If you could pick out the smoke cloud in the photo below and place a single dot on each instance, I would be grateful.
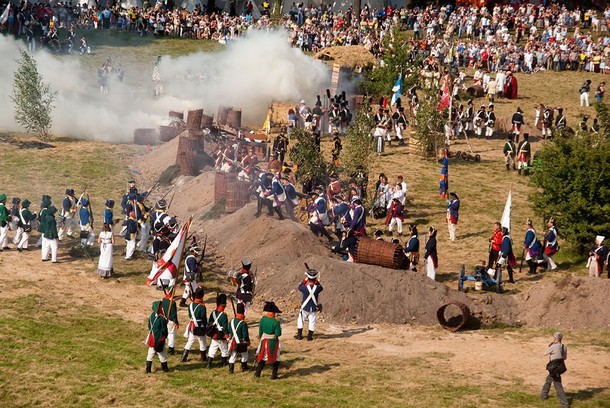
(248, 74)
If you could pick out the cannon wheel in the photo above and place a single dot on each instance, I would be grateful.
(461, 279)
(499, 281)
(477, 158)
(458, 154)
(464, 156)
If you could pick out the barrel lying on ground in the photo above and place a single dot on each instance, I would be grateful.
(453, 315)
(377, 252)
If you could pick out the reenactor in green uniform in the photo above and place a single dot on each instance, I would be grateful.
(42, 214)
(24, 226)
(510, 151)
(3, 223)
(49, 237)
(269, 332)
(171, 311)
(239, 340)
(196, 327)
(157, 333)
(218, 330)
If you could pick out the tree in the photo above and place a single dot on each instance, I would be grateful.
(603, 116)
(358, 154)
(306, 154)
(429, 125)
(33, 99)
(574, 181)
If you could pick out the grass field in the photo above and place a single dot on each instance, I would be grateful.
(72, 341)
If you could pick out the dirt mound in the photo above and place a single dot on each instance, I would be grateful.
(574, 303)
(347, 57)
(352, 292)
(151, 165)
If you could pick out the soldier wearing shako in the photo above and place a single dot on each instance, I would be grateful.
(524, 153)
(269, 332)
(157, 333)
(490, 121)
(510, 151)
(49, 238)
(311, 289)
(4, 220)
(42, 214)
(24, 226)
(196, 327)
(171, 311)
(245, 285)
(218, 330)
(68, 213)
(191, 270)
(560, 121)
(239, 339)
(517, 121)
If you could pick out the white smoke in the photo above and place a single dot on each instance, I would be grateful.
(248, 74)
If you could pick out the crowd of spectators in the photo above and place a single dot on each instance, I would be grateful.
(525, 38)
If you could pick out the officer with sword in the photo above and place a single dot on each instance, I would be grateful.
(311, 289)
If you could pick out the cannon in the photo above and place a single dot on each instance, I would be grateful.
(481, 274)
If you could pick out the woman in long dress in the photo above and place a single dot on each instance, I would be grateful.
(431, 257)
(106, 241)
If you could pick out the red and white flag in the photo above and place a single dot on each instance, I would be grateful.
(445, 101)
(171, 260)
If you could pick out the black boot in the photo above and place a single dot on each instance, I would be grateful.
(244, 367)
(276, 366)
(231, 368)
(526, 172)
(223, 361)
(182, 302)
(171, 351)
(299, 335)
(210, 362)
(519, 172)
(310, 335)
(148, 367)
(185, 355)
(507, 167)
(204, 356)
(278, 210)
(164, 367)
(510, 274)
(259, 369)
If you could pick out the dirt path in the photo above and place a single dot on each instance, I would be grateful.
(484, 356)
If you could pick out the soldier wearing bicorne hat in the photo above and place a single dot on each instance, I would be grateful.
(269, 332)
(310, 305)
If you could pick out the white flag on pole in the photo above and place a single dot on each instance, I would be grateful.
(507, 211)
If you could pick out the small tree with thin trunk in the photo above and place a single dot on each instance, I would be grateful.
(33, 99)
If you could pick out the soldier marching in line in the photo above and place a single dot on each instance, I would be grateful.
(155, 340)
(191, 270)
(85, 222)
(218, 323)
(239, 340)
(310, 305)
(49, 235)
(42, 214)
(510, 152)
(24, 226)
(68, 214)
(269, 332)
(4, 220)
(195, 330)
(490, 122)
(171, 312)
(479, 119)
(524, 153)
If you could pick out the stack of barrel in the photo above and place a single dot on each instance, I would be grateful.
(377, 252)
(145, 136)
(189, 147)
(236, 193)
(228, 116)
(167, 133)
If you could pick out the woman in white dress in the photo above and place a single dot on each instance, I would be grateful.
(106, 241)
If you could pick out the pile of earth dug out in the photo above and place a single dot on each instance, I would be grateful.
(364, 293)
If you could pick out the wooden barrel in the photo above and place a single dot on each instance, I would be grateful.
(223, 112)
(377, 252)
(176, 115)
(167, 133)
(220, 185)
(188, 163)
(193, 119)
(234, 118)
(145, 136)
(207, 121)
(237, 196)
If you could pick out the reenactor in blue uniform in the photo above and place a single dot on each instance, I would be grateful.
(551, 246)
(412, 250)
(68, 214)
(453, 208)
(358, 216)
(108, 215)
(517, 121)
(87, 236)
(507, 257)
(245, 284)
(310, 304)
(532, 248)
(131, 232)
(191, 270)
